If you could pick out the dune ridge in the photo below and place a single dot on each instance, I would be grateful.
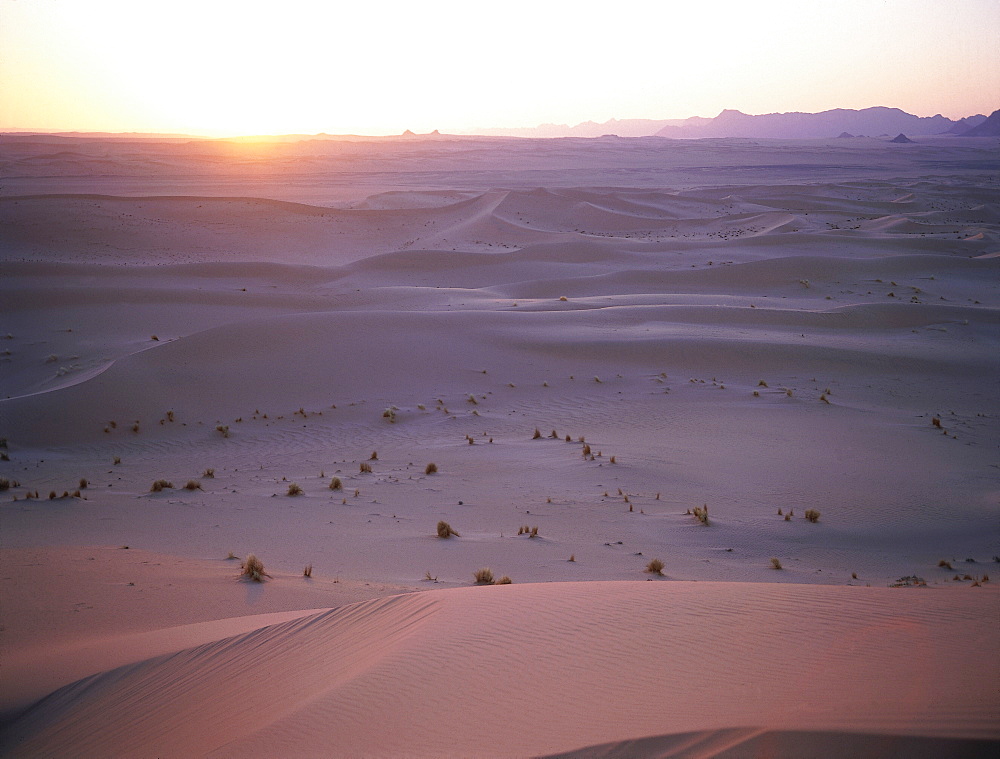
(417, 659)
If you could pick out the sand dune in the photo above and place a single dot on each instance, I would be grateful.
(505, 656)
(757, 328)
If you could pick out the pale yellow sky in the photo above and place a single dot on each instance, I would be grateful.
(297, 66)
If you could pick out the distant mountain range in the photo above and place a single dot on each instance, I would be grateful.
(870, 122)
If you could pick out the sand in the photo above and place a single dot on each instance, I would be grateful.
(744, 325)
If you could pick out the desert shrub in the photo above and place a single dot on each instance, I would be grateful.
(231, 555)
(701, 513)
(365, 467)
(223, 428)
(374, 456)
(944, 564)
(52, 495)
(208, 473)
(160, 485)
(192, 485)
(655, 567)
(336, 484)
(484, 576)
(534, 532)
(431, 468)
(775, 563)
(83, 483)
(612, 460)
(538, 434)
(572, 557)
(762, 384)
(294, 489)
(554, 435)
(253, 569)
(586, 450)
(4, 483)
(389, 414)
(117, 460)
(308, 571)
(505, 580)
(812, 515)
(444, 530)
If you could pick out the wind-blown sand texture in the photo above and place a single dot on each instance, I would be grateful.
(744, 325)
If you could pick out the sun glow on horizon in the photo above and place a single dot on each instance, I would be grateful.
(222, 68)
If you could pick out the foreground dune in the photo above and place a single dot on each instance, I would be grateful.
(545, 668)
(588, 339)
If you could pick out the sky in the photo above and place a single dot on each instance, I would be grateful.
(380, 67)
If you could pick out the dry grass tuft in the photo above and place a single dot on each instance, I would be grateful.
(208, 474)
(484, 576)
(83, 483)
(365, 467)
(701, 513)
(117, 460)
(336, 484)
(505, 580)
(253, 569)
(944, 564)
(612, 460)
(192, 485)
(231, 555)
(534, 532)
(586, 450)
(655, 567)
(538, 434)
(936, 422)
(160, 485)
(444, 530)
(812, 515)
(572, 557)
(374, 456)
(776, 563)
(294, 489)
(223, 428)
(762, 384)
(308, 571)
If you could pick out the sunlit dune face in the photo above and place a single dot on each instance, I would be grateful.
(304, 67)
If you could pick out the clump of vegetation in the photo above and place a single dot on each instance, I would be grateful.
(572, 557)
(655, 567)
(253, 569)
(444, 530)
(812, 515)
(505, 580)
(160, 485)
(365, 467)
(389, 414)
(5, 484)
(193, 485)
(701, 513)
(208, 474)
(308, 571)
(431, 468)
(336, 484)
(944, 564)
(117, 460)
(538, 434)
(909, 581)
(374, 456)
(294, 489)
(484, 576)
(223, 428)
(231, 556)
(83, 483)
(776, 563)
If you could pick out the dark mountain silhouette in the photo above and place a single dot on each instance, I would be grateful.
(901, 139)
(989, 128)
(878, 120)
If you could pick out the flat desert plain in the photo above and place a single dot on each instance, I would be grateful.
(618, 354)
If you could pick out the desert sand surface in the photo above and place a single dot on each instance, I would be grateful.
(589, 339)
